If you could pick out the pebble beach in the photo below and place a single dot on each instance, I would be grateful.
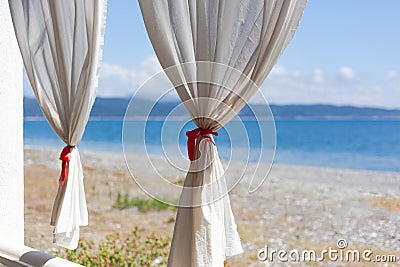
(297, 207)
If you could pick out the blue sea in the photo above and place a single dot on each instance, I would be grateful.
(350, 144)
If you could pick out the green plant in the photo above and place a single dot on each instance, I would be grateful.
(180, 181)
(143, 204)
(119, 251)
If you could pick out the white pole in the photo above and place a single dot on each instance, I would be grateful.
(11, 138)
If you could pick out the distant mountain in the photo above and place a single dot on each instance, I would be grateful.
(31, 108)
(116, 107)
(103, 107)
(333, 112)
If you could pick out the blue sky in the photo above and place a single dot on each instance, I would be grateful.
(344, 52)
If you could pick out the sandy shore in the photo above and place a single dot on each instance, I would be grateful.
(296, 208)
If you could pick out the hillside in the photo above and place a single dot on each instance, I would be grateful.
(116, 107)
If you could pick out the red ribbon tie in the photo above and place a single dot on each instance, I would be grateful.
(65, 157)
(192, 137)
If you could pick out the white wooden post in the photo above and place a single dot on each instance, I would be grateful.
(11, 134)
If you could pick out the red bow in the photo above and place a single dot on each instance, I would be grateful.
(192, 137)
(65, 156)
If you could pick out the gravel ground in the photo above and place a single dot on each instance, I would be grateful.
(296, 208)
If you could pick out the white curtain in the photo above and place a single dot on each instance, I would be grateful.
(228, 47)
(61, 43)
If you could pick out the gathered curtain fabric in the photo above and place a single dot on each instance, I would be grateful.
(61, 43)
(216, 54)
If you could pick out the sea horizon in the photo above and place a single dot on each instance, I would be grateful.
(348, 144)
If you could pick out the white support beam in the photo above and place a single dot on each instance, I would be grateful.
(14, 255)
(11, 134)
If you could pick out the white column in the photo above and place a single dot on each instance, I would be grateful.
(11, 138)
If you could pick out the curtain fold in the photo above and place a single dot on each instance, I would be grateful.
(216, 54)
(61, 43)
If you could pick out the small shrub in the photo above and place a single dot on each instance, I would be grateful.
(143, 204)
(119, 251)
(180, 181)
(171, 220)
